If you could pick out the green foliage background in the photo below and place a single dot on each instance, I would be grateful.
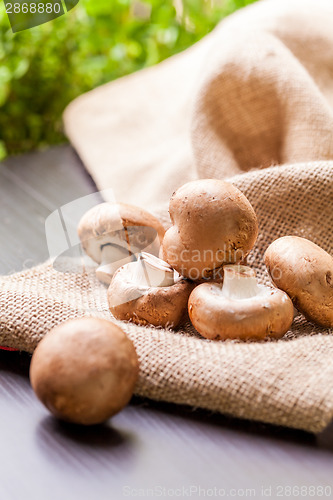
(44, 68)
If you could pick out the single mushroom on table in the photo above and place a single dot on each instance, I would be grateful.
(113, 234)
(213, 224)
(305, 272)
(149, 291)
(240, 308)
(84, 370)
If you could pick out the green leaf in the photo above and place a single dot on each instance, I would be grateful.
(42, 69)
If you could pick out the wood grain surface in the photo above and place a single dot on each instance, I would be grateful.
(149, 450)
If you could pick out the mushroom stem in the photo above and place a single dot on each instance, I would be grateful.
(150, 271)
(239, 282)
(113, 257)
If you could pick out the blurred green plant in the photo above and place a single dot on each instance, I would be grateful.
(44, 68)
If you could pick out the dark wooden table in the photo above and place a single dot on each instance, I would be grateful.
(149, 450)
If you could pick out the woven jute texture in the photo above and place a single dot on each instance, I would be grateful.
(287, 382)
(256, 92)
(251, 102)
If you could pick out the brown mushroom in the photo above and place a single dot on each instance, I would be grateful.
(84, 370)
(239, 308)
(213, 224)
(305, 272)
(149, 291)
(112, 235)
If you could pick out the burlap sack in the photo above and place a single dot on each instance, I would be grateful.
(255, 93)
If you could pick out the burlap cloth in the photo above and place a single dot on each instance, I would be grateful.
(254, 94)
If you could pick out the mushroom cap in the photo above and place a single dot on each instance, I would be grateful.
(84, 370)
(215, 317)
(213, 223)
(305, 272)
(119, 224)
(158, 306)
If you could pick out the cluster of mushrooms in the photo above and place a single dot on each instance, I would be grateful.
(198, 265)
(85, 370)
